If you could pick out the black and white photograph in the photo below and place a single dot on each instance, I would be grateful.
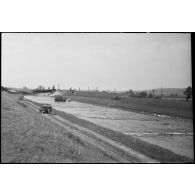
(96, 98)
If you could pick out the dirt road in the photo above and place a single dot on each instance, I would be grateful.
(174, 134)
(29, 136)
(112, 148)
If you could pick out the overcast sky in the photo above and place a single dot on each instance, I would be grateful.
(107, 61)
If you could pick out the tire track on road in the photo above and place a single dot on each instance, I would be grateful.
(112, 148)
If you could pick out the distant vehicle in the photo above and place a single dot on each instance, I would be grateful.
(116, 98)
(45, 108)
(20, 97)
(60, 99)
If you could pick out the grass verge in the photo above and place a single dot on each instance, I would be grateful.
(28, 137)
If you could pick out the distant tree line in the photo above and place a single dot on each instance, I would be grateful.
(143, 94)
(42, 89)
(188, 93)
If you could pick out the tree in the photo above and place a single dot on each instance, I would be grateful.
(142, 94)
(150, 95)
(188, 93)
(40, 87)
(153, 90)
(53, 88)
(131, 93)
(25, 88)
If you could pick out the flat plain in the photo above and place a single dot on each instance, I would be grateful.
(29, 137)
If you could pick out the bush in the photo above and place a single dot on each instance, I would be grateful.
(173, 95)
(142, 94)
(188, 93)
(131, 93)
(150, 95)
(158, 97)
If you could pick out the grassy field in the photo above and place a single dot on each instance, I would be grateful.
(28, 137)
(168, 107)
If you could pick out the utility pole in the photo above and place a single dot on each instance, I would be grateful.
(161, 92)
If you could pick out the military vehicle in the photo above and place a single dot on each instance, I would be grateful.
(116, 98)
(45, 108)
(60, 99)
(20, 97)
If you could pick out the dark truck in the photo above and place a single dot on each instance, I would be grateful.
(116, 98)
(60, 99)
(21, 97)
(45, 108)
